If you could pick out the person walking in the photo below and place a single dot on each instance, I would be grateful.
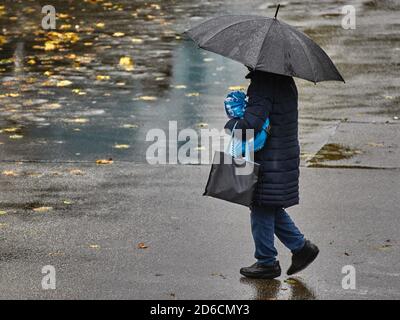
(275, 97)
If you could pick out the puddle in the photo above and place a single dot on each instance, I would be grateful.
(112, 71)
(290, 289)
(333, 152)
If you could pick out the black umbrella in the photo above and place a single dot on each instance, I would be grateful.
(265, 44)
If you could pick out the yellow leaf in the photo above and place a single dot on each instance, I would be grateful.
(129, 126)
(137, 40)
(126, 63)
(180, 86)
(16, 136)
(94, 246)
(14, 129)
(10, 173)
(67, 202)
(65, 27)
(32, 62)
(104, 161)
(2, 40)
(122, 146)
(118, 34)
(193, 94)
(77, 120)
(101, 77)
(42, 209)
(64, 83)
(147, 98)
(2, 213)
(100, 25)
(78, 92)
(50, 45)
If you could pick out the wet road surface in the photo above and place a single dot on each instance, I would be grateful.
(67, 99)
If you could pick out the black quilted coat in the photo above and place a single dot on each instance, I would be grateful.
(274, 96)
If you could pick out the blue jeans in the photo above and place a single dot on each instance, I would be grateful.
(267, 221)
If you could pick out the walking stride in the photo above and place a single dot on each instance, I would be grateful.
(274, 52)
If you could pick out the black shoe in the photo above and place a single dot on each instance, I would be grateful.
(303, 258)
(260, 271)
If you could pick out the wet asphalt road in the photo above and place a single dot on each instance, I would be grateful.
(195, 245)
(59, 208)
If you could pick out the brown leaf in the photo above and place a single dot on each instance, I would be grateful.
(141, 245)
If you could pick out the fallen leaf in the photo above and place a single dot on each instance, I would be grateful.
(122, 146)
(104, 161)
(76, 172)
(94, 246)
(9, 130)
(10, 173)
(16, 136)
(129, 126)
(100, 25)
(56, 253)
(376, 145)
(77, 120)
(3, 225)
(2, 213)
(147, 98)
(63, 83)
(78, 92)
(3, 40)
(118, 34)
(42, 209)
(193, 94)
(180, 86)
(101, 77)
(126, 63)
(137, 40)
(68, 202)
(141, 245)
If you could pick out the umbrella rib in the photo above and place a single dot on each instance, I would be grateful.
(227, 27)
(308, 59)
(262, 45)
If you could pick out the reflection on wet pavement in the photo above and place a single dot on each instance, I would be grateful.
(112, 70)
(290, 289)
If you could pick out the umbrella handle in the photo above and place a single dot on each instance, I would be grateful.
(276, 12)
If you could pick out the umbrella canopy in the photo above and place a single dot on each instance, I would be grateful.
(265, 44)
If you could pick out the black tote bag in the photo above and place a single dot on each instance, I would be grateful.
(232, 179)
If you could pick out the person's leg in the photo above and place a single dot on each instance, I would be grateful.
(262, 228)
(287, 232)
